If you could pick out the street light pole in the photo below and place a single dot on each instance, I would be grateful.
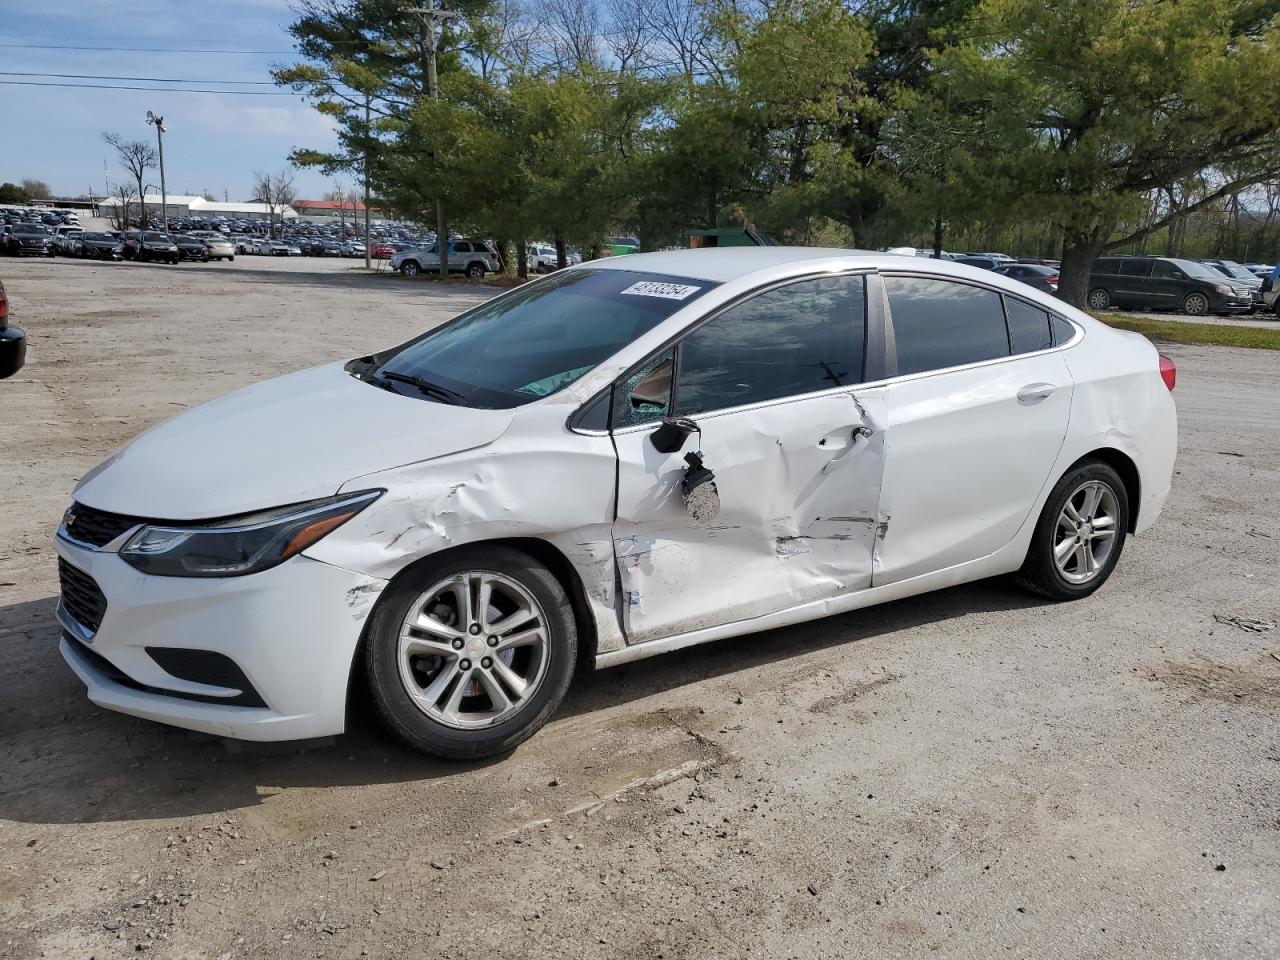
(158, 123)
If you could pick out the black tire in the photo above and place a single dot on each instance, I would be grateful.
(397, 710)
(475, 270)
(1195, 304)
(410, 268)
(1040, 573)
(231, 259)
(1098, 299)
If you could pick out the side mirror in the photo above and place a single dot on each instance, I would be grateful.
(671, 434)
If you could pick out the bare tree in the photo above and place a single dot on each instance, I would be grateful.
(36, 189)
(629, 36)
(124, 195)
(137, 157)
(502, 38)
(276, 191)
(683, 35)
(573, 28)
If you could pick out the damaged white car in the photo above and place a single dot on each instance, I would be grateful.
(624, 458)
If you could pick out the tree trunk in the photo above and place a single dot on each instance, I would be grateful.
(937, 238)
(522, 259)
(562, 259)
(1078, 256)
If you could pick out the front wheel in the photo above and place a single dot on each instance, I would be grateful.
(1099, 299)
(1195, 304)
(1080, 533)
(469, 657)
(410, 268)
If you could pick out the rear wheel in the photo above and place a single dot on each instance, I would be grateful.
(1195, 304)
(1080, 533)
(1099, 299)
(475, 270)
(470, 657)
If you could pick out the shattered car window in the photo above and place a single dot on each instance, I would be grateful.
(630, 409)
(543, 336)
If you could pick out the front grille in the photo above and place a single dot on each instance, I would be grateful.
(81, 597)
(96, 527)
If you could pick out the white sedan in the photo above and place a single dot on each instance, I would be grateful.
(622, 459)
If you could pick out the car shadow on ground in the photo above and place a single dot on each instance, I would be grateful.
(68, 761)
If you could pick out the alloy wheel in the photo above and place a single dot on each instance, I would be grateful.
(1099, 300)
(1086, 532)
(1195, 304)
(473, 649)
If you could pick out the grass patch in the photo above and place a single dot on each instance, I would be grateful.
(1204, 334)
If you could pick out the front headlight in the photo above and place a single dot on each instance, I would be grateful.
(240, 545)
(1223, 288)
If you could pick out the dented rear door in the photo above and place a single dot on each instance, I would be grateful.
(797, 467)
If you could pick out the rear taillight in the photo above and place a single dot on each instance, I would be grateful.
(1168, 372)
(1053, 279)
(4, 308)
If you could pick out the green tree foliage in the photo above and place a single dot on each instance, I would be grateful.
(1077, 112)
(12, 193)
(1028, 125)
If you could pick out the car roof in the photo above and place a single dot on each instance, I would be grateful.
(722, 264)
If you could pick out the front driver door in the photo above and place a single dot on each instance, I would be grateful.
(772, 385)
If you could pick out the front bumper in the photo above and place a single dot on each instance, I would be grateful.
(291, 630)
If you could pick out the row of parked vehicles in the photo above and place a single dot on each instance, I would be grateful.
(1193, 287)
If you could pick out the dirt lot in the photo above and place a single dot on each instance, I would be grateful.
(970, 774)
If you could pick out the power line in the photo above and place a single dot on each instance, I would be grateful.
(46, 46)
(94, 76)
(107, 86)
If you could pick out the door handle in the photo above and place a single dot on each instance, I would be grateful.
(859, 432)
(1035, 392)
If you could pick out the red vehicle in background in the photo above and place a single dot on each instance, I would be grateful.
(380, 250)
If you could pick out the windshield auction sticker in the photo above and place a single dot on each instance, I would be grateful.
(668, 291)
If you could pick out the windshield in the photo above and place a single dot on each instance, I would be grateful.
(1239, 272)
(1193, 269)
(96, 236)
(543, 336)
(154, 238)
(30, 228)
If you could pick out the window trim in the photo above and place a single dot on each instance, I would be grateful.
(895, 377)
(874, 319)
(880, 356)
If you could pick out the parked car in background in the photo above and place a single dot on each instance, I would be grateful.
(1240, 275)
(542, 258)
(28, 239)
(100, 246)
(13, 340)
(191, 248)
(475, 258)
(1164, 283)
(220, 248)
(278, 248)
(981, 261)
(965, 426)
(381, 250)
(352, 248)
(1032, 274)
(64, 240)
(1270, 290)
(150, 245)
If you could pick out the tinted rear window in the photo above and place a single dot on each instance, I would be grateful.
(1135, 268)
(940, 323)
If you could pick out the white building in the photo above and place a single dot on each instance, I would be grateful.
(178, 205)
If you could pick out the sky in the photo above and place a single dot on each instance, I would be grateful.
(212, 142)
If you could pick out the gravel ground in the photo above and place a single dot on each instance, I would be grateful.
(972, 773)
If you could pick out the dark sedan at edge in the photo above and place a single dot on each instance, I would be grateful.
(13, 342)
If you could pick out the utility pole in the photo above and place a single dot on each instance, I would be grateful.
(428, 16)
(158, 123)
(368, 240)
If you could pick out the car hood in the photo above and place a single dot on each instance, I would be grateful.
(286, 440)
